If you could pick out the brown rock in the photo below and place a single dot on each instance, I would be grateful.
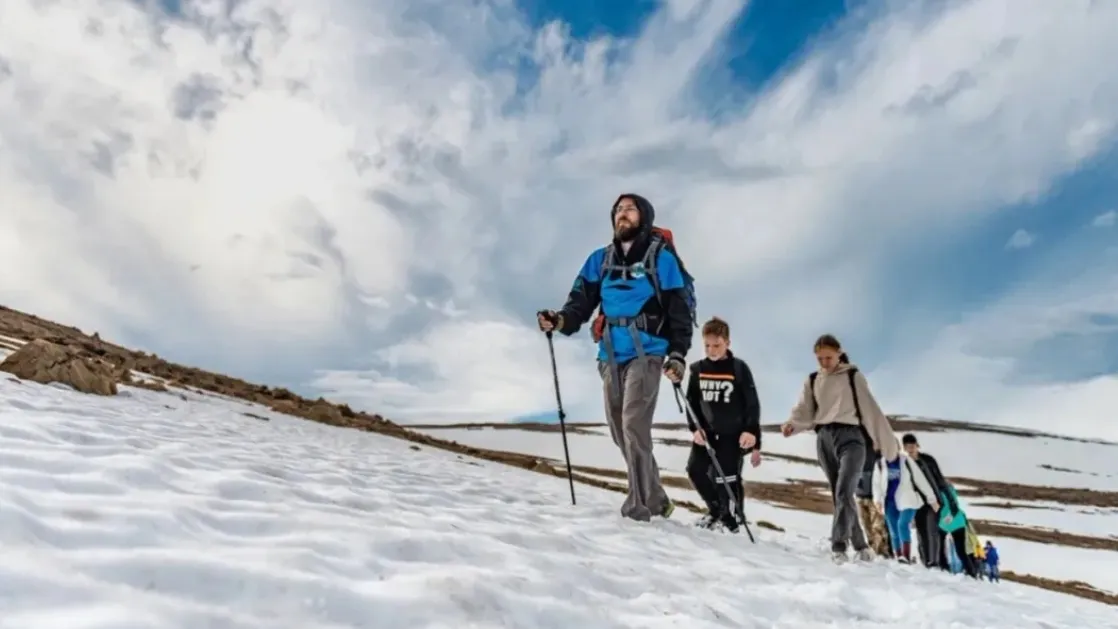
(45, 362)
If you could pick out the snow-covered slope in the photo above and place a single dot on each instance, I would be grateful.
(179, 510)
(1049, 503)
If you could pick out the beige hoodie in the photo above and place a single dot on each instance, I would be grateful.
(836, 406)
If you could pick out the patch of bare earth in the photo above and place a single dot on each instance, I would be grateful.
(91, 349)
(579, 428)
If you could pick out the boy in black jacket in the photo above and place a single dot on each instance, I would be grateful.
(722, 392)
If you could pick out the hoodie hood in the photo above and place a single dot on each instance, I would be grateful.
(842, 368)
(644, 206)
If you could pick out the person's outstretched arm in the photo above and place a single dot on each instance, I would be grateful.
(584, 297)
(803, 413)
(873, 418)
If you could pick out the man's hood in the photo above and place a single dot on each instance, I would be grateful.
(644, 206)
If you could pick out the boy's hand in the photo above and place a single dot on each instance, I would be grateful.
(787, 429)
(747, 440)
(755, 458)
(699, 438)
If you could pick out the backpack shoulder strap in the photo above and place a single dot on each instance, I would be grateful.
(811, 387)
(739, 379)
(739, 370)
(650, 259)
(854, 392)
(607, 261)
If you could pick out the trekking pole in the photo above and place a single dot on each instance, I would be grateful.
(735, 508)
(562, 415)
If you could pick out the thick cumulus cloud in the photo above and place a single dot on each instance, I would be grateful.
(372, 198)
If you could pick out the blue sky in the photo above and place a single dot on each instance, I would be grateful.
(370, 199)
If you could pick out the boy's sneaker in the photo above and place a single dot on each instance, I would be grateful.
(669, 509)
(865, 555)
(730, 523)
(839, 557)
(708, 521)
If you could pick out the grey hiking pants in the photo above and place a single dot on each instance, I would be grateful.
(630, 424)
(842, 451)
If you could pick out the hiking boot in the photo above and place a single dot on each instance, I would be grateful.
(708, 521)
(864, 555)
(730, 523)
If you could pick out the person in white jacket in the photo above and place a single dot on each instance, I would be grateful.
(899, 489)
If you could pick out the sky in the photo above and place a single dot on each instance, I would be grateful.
(370, 199)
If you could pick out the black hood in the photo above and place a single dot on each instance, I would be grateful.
(644, 206)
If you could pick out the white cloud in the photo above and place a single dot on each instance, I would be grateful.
(1106, 219)
(995, 364)
(471, 371)
(1021, 239)
(366, 188)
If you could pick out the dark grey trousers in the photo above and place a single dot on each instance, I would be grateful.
(630, 424)
(929, 537)
(842, 451)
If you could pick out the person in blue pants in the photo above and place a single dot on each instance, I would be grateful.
(992, 562)
(900, 487)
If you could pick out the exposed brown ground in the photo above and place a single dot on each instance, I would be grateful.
(968, 487)
(901, 424)
(803, 495)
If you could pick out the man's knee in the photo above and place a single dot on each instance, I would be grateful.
(844, 494)
(636, 425)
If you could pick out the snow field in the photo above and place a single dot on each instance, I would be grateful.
(146, 511)
(959, 453)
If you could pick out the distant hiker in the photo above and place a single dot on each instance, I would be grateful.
(873, 521)
(928, 535)
(977, 551)
(721, 389)
(899, 489)
(953, 522)
(644, 329)
(836, 402)
(992, 570)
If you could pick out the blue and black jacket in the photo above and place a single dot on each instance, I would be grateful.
(668, 327)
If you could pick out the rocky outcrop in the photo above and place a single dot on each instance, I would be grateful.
(45, 362)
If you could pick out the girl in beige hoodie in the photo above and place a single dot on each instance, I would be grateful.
(836, 402)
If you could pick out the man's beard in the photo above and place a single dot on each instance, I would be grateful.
(626, 232)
